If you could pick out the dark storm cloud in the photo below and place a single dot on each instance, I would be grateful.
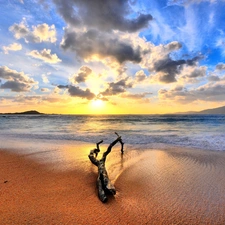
(168, 69)
(15, 81)
(94, 42)
(8, 74)
(105, 15)
(15, 86)
(78, 92)
(82, 74)
(100, 20)
(119, 87)
(63, 86)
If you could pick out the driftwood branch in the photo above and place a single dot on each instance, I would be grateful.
(121, 142)
(104, 185)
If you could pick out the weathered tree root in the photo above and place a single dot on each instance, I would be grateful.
(104, 185)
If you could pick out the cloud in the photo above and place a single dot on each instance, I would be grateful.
(213, 78)
(40, 33)
(168, 69)
(188, 2)
(161, 27)
(78, 92)
(173, 46)
(163, 66)
(190, 30)
(45, 79)
(139, 96)
(179, 95)
(100, 96)
(95, 43)
(12, 47)
(45, 90)
(15, 86)
(220, 67)
(82, 75)
(156, 55)
(192, 74)
(45, 55)
(208, 92)
(39, 99)
(118, 87)
(211, 91)
(95, 29)
(62, 86)
(140, 76)
(15, 81)
(45, 33)
(104, 15)
(220, 43)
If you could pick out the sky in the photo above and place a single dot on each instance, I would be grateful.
(112, 57)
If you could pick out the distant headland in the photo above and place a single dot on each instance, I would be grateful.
(219, 110)
(30, 112)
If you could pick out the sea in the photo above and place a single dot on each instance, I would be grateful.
(205, 132)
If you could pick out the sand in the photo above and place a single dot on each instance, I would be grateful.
(173, 186)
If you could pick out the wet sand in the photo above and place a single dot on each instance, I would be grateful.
(173, 186)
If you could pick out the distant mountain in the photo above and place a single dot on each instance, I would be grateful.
(31, 112)
(219, 110)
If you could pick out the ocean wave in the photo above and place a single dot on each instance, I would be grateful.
(209, 142)
(196, 131)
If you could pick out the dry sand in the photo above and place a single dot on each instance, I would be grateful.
(173, 186)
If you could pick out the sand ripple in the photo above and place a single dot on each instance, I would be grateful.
(175, 186)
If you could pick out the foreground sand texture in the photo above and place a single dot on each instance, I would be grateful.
(157, 187)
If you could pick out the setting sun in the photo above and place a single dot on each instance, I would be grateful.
(97, 103)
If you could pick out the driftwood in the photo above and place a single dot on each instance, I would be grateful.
(104, 185)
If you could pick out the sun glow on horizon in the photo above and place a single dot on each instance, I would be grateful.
(97, 103)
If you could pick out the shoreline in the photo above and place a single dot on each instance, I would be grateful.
(177, 186)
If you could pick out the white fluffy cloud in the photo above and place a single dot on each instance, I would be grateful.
(209, 92)
(45, 90)
(45, 79)
(12, 47)
(140, 76)
(40, 33)
(45, 55)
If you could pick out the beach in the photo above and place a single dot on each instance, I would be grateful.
(154, 186)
